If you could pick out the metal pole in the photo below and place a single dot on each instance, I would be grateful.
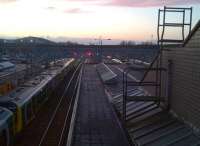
(161, 49)
(190, 20)
(158, 28)
(183, 28)
(169, 87)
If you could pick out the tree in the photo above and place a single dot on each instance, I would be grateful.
(127, 43)
(123, 43)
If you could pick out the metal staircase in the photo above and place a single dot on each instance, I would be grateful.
(160, 81)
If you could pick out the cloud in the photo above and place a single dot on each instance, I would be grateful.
(7, 1)
(82, 0)
(50, 8)
(139, 3)
(149, 3)
(76, 11)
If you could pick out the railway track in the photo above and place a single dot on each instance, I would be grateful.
(45, 129)
(56, 131)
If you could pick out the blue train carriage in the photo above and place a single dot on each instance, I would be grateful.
(54, 73)
(60, 70)
(57, 73)
(6, 102)
(29, 98)
(26, 100)
(19, 106)
(65, 67)
(6, 124)
(42, 90)
(49, 84)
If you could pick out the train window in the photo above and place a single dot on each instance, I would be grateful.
(3, 139)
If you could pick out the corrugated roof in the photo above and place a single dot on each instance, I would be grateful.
(6, 65)
(149, 125)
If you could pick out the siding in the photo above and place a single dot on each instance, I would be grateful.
(193, 41)
(185, 93)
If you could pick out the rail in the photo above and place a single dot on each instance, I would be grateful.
(157, 97)
(64, 134)
(72, 123)
(63, 110)
(157, 63)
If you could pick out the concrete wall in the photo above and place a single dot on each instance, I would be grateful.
(185, 89)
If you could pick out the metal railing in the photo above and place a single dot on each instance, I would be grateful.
(158, 96)
(163, 23)
(157, 64)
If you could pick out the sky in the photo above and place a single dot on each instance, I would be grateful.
(86, 19)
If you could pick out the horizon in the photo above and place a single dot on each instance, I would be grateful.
(83, 41)
(85, 20)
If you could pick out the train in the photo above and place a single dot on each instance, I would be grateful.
(19, 107)
(6, 123)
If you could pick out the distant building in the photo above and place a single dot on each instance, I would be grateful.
(10, 76)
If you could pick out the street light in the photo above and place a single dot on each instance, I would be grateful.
(100, 48)
(4, 48)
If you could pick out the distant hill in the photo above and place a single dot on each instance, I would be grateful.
(36, 40)
(27, 40)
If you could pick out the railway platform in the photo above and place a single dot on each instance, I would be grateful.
(96, 123)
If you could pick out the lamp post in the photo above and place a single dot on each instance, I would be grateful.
(99, 50)
(4, 48)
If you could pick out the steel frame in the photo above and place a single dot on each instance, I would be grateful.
(157, 61)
